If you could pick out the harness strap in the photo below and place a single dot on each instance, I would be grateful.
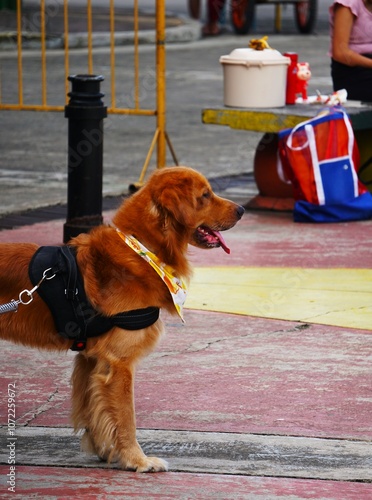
(71, 288)
(136, 319)
(74, 316)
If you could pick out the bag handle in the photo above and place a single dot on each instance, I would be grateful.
(327, 112)
(290, 137)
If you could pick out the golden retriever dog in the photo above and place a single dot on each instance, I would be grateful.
(176, 207)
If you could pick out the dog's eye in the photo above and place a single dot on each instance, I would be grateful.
(207, 194)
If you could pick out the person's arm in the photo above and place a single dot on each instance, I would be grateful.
(343, 23)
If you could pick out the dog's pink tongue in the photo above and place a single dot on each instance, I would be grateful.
(219, 237)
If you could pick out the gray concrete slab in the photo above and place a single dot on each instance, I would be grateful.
(212, 453)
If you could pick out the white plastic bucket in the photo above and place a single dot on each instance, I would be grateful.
(254, 78)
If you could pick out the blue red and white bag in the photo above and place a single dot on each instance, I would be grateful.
(320, 157)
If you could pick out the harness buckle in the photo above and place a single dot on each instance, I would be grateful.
(71, 294)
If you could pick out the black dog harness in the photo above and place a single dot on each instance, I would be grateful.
(74, 316)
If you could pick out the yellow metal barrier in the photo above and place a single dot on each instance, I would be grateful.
(160, 138)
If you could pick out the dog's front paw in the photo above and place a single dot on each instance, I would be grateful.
(146, 464)
(153, 464)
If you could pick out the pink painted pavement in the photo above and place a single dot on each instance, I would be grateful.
(259, 239)
(220, 373)
(223, 373)
(66, 483)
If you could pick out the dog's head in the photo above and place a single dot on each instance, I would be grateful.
(185, 198)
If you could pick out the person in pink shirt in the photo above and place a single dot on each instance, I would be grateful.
(351, 47)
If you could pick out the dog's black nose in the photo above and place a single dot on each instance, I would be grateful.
(240, 211)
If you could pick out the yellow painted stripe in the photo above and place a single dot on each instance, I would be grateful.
(340, 297)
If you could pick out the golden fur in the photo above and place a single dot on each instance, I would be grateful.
(165, 216)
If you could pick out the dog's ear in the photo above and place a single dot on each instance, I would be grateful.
(177, 200)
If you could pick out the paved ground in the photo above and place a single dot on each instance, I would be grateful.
(33, 145)
(242, 406)
(247, 404)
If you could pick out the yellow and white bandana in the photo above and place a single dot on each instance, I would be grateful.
(176, 286)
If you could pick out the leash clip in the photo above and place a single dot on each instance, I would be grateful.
(29, 293)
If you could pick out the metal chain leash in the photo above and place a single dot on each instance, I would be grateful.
(26, 296)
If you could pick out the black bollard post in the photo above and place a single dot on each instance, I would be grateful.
(85, 112)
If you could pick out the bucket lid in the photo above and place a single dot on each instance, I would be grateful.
(251, 57)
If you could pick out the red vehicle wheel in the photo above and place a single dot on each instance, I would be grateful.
(242, 14)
